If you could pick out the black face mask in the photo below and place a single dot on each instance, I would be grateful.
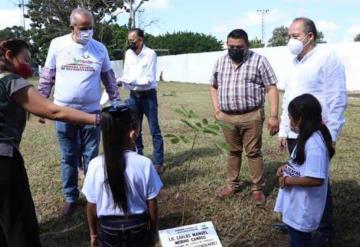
(132, 46)
(237, 55)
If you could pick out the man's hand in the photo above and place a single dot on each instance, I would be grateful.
(216, 114)
(282, 143)
(273, 125)
(42, 120)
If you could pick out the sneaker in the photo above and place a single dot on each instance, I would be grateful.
(69, 209)
(227, 192)
(259, 197)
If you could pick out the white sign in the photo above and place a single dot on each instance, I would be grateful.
(196, 235)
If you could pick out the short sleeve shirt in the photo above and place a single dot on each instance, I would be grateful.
(143, 183)
(242, 88)
(12, 116)
(302, 207)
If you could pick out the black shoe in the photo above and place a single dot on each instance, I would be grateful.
(282, 227)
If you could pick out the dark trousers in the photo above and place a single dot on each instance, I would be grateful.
(299, 239)
(146, 104)
(131, 232)
(326, 223)
(18, 223)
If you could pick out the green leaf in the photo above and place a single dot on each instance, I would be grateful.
(174, 140)
(181, 112)
(170, 136)
(190, 124)
(209, 131)
(192, 114)
(183, 138)
(205, 121)
(224, 125)
(214, 127)
(198, 124)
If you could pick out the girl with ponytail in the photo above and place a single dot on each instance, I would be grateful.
(121, 186)
(304, 179)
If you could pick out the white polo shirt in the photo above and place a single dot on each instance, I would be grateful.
(320, 73)
(302, 207)
(140, 70)
(143, 184)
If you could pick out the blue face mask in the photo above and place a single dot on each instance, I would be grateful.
(85, 36)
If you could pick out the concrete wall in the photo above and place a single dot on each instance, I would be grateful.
(197, 67)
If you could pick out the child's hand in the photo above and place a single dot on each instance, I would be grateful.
(94, 241)
(282, 180)
(280, 171)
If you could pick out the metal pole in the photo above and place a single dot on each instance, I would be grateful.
(263, 12)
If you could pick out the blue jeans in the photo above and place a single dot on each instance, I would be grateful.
(131, 232)
(146, 103)
(299, 239)
(78, 145)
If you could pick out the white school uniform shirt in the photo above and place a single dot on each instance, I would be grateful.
(78, 68)
(302, 207)
(142, 180)
(139, 72)
(320, 73)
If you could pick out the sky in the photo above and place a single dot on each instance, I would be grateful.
(339, 20)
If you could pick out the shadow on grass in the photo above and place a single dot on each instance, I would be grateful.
(180, 158)
(346, 200)
(70, 232)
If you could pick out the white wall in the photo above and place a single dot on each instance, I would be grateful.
(197, 67)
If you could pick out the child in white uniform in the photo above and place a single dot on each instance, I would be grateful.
(304, 179)
(121, 186)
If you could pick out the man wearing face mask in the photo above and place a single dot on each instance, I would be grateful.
(318, 71)
(139, 77)
(75, 65)
(239, 82)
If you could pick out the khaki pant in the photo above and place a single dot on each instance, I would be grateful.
(246, 134)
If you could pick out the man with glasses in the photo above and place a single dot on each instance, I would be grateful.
(75, 64)
(239, 81)
(139, 77)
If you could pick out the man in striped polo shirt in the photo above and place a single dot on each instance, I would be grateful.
(239, 82)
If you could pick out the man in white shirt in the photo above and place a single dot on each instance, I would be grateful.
(76, 64)
(318, 71)
(139, 77)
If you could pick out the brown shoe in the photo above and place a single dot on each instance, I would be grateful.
(259, 197)
(69, 209)
(160, 169)
(227, 192)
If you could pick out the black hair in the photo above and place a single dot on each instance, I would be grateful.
(13, 45)
(115, 126)
(239, 34)
(309, 26)
(307, 109)
(139, 32)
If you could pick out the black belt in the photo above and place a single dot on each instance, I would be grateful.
(142, 93)
(241, 112)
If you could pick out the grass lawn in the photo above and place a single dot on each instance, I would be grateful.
(238, 221)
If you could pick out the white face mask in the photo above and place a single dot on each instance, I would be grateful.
(85, 36)
(296, 46)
